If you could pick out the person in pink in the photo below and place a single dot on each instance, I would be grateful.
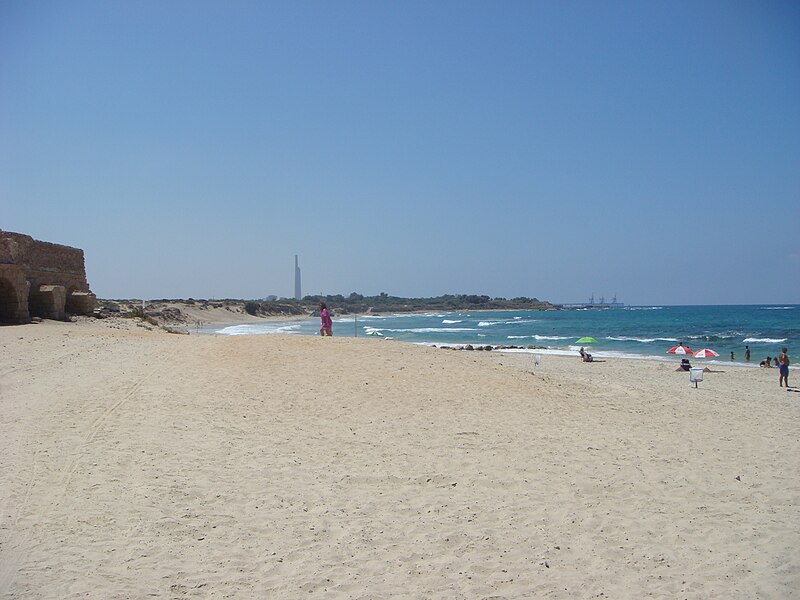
(325, 317)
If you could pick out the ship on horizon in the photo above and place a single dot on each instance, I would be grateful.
(599, 304)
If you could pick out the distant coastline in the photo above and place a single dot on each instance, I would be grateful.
(229, 310)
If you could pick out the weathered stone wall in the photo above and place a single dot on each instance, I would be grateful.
(41, 279)
(14, 289)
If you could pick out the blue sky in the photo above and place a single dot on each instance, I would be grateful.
(547, 149)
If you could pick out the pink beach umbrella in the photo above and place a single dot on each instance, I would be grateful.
(679, 349)
(705, 353)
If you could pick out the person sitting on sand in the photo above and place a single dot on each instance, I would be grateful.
(766, 363)
(585, 356)
(776, 363)
(685, 364)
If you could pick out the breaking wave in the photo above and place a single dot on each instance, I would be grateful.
(641, 340)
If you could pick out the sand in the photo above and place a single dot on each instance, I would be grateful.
(135, 463)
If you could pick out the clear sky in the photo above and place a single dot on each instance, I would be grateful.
(547, 149)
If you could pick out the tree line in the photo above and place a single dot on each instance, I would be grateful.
(383, 302)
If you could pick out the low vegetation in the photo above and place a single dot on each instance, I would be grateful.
(166, 310)
(382, 303)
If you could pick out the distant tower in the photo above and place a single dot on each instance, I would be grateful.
(297, 294)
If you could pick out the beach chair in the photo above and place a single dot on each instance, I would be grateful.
(695, 375)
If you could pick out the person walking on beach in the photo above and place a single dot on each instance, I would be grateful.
(747, 353)
(783, 366)
(325, 317)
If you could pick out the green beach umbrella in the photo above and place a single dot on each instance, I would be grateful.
(586, 340)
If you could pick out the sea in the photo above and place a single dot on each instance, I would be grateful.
(635, 332)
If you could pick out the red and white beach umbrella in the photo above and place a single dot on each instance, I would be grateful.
(679, 349)
(705, 353)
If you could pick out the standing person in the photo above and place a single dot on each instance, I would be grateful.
(325, 318)
(783, 365)
(731, 355)
(747, 353)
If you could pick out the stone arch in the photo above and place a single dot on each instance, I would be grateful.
(9, 302)
(70, 307)
(71, 304)
(47, 301)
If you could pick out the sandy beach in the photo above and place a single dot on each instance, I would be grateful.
(136, 463)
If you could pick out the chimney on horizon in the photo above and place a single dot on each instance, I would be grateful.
(297, 294)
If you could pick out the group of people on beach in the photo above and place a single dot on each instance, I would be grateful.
(782, 363)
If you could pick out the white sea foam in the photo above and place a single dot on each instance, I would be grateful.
(259, 328)
(752, 340)
(436, 329)
(778, 307)
(730, 335)
(451, 321)
(515, 321)
(642, 340)
(396, 316)
(536, 337)
(423, 329)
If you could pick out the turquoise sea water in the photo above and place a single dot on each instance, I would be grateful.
(635, 332)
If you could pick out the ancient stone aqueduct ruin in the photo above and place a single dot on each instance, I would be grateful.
(40, 279)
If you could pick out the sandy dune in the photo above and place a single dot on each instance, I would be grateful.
(135, 463)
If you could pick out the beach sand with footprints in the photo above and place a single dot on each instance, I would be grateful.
(135, 463)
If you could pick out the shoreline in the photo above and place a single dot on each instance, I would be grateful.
(214, 316)
(481, 346)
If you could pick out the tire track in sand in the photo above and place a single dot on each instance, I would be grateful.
(16, 549)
